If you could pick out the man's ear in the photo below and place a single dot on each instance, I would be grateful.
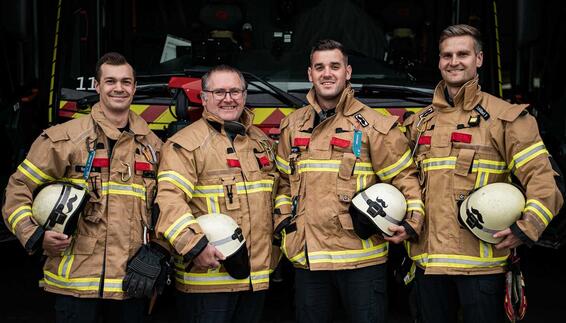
(309, 70)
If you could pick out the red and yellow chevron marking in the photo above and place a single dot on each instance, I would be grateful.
(157, 116)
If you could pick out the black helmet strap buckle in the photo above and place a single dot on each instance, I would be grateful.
(375, 207)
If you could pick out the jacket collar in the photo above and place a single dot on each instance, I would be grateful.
(347, 105)
(136, 124)
(467, 97)
(246, 119)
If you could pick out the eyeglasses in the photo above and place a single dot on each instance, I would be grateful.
(220, 94)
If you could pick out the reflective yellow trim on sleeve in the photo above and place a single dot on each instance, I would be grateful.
(527, 154)
(415, 205)
(281, 200)
(34, 173)
(175, 229)
(282, 165)
(178, 180)
(18, 215)
(391, 171)
(540, 210)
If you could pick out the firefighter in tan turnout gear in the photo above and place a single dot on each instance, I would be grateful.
(113, 154)
(329, 150)
(465, 140)
(219, 164)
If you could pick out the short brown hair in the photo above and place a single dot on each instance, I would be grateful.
(222, 68)
(111, 58)
(328, 44)
(462, 30)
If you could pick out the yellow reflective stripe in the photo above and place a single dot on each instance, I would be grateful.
(527, 154)
(217, 278)
(178, 180)
(415, 205)
(113, 285)
(282, 165)
(212, 204)
(281, 200)
(33, 173)
(486, 251)
(208, 190)
(181, 223)
(489, 166)
(438, 163)
(459, 261)
(299, 258)
(348, 255)
(391, 171)
(84, 284)
(363, 169)
(77, 181)
(540, 210)
(481, 179)
(18, 215)
(64, 269)
(315, 165)
(124, 189)
(265, 185)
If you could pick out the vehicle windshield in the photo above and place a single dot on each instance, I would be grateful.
(268, 39)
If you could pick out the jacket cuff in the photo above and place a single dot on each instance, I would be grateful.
(197, 249)
(521, 235)
(35, 241)
(410, 231)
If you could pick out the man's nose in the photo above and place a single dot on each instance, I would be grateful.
(454, 60)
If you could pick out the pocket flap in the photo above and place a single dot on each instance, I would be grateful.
(84, 245)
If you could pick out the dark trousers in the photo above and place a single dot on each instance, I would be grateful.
(69, 309)
(362, 292)
(480, 298)
(234, 307)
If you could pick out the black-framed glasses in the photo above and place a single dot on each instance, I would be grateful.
(220, 94)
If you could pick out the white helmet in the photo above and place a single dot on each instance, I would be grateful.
(376, 208)
(224, 233)
(57, 206)
(490, 209)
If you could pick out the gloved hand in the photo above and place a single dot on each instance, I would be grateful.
(148, 271)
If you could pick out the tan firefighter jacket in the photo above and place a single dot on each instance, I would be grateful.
(479, 140)
(320, 174)
(203, 171)
(121, 185)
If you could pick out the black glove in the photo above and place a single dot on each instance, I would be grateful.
(148, 271)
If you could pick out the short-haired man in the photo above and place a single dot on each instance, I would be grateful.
(328, 151)
(465, 140)
(102, 152)
(219, 164)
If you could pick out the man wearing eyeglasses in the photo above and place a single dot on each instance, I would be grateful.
(219, 164)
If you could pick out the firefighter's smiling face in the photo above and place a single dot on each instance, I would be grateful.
(329, 72)
(116, 87)
(459, 60)
(224, 96)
